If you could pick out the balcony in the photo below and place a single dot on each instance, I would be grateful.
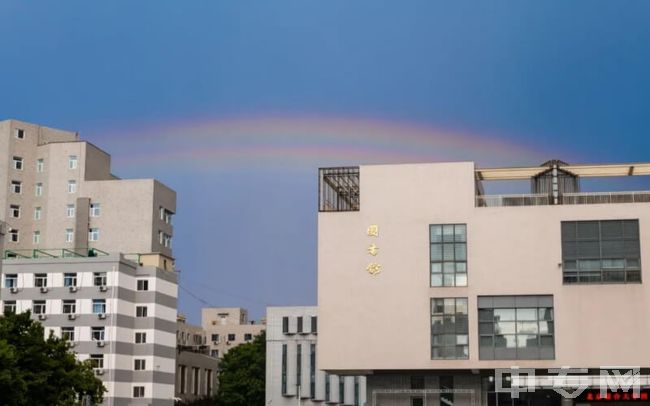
(564, 199)
(53, 253)
(338, 189)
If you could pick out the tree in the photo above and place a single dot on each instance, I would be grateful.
(242, 373)
(39, 371)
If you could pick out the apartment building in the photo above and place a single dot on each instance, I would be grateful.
(58, 193)
(431, 288)
(196, 369)
(228, 327)
(292, 373)
(90, 256)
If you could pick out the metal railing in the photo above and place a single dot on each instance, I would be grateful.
(565, 198)
(513, 200)
(53, 253)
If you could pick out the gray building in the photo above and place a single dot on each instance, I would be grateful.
(292, 374)
(196, 369)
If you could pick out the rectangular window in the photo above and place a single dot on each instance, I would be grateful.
(285, 325)
(314, 324)
(284, 369)
(69, 235)
(140, 338)
(327, 387)
(95, 209)
(72, 162)
(516, 327)
(215, 353)
(141, 311)
(298, 363)
(142, 284)
(166, 215)
(99, 306)
(208, 379)
(182, 371)
(20, 134)
(139, 364)
(69, 306)
(248, 337)
(38, 213)
(138, 391)
(447, 387)
(69, 279)
(299, 324)
(231, 337)
(605, 251)
(448, 254)
(36, 237)
(93, 234)
(99, 278)
(40, 165)
(449, 328)
(18, 163)
(97, 333)
(40, 280)
(97, 360)
(16, 186)
(69, 210)
(195, 380)
(312, 370)
(67, 333)
(165, 239)
(38, 307)
(38, 189)
(14, 235)
(72, 186)
(215, 338)
(14, 210)
(11, 280)
(9, 306)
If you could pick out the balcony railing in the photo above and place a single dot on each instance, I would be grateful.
(565, 198)
(53, 253)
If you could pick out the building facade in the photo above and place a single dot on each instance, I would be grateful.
(196, 369)
(428, 286)
(292, 372)
(228, 327)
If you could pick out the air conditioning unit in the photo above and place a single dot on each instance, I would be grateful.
(103, 288)
(101, 316)
(215, 342)
(99, 371)
(43, 289)
(72, 316)
(73, 289)
(100, 343)
(42, 316)
(14, 290)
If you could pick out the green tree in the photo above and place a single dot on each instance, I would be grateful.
(242, 374)
(39, 371)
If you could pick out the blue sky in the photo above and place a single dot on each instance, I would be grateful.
(551, 79)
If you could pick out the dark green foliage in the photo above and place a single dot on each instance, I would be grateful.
(242, 374)
(39, 371)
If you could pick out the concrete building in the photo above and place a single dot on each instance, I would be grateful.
(228, 327)
(58, 193)
(292, 372)
(196, 370)
(90, 255)
(427, 286)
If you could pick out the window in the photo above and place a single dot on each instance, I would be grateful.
(182, 371)
(99, 278)
(449, 328)
(72, 186)
(69, 210)
(69, 306)
(601, 251)
(284, 369)
(327, 387)
(11, 280)
(14, 210)
(40, 165)
(248, 337)
(93, 234)
(38, 190)
(447, 385)
(142, 284)
(95, 209)
(14, 235)
(20, 134)
(97, 333)
(140, 338)
(38, 307)
(285, 325)
(138, 391)
(215, 353)
(18, 163)
(40, 280)
(208, 380)
(72, 162)
(166, 215)
(312, 370)
(16, 186)
(165, 239)
(67, 333)
(215, 338)
(141, 311)
(195, 380)
(97, 360)
(231, 337)
(300, 324)
(448, 244)
(38, 213)
(139, 364)
(516, 327)
(99, 306)
(36, 237)
(69, 279)
(314, 324)
(9, 306)
(298, 363)
(69, 235)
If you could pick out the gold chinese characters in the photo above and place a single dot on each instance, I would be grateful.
(373, 268)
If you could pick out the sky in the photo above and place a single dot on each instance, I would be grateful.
(236, 104)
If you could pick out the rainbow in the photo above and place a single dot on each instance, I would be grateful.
(299, 141)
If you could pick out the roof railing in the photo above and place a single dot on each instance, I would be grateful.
(53, 253)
